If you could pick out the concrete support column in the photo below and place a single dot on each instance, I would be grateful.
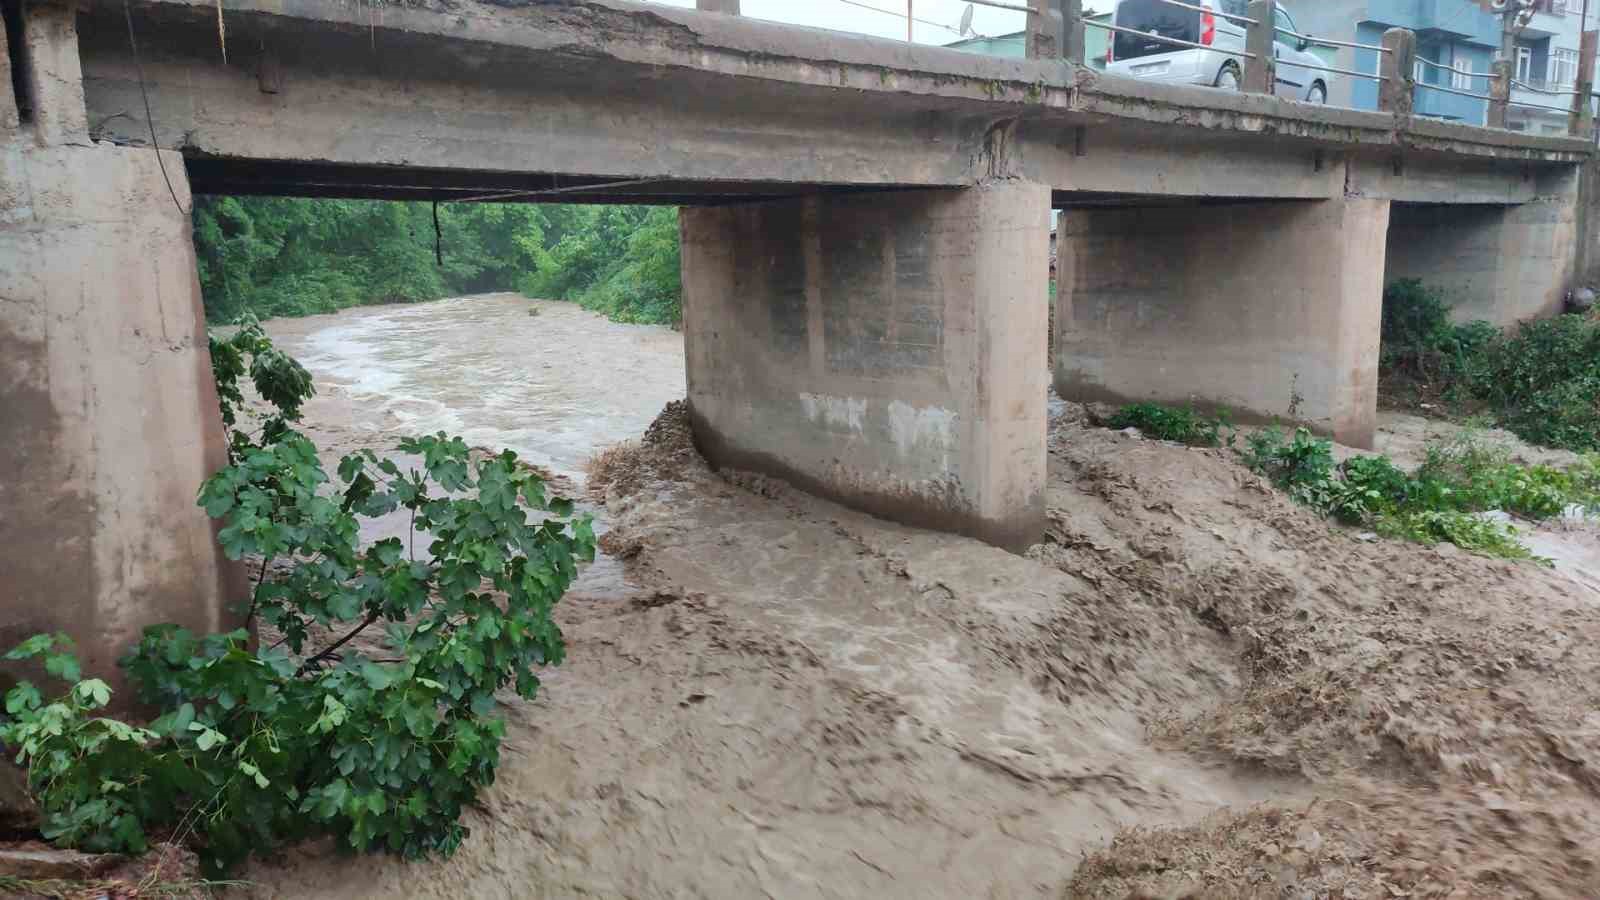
(1498, 263)
(1270, 310)
(106, 395)
(884, 350)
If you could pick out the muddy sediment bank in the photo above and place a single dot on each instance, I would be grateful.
(1190, 687)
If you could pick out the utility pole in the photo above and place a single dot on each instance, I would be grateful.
(1504, 66)
(908, 21)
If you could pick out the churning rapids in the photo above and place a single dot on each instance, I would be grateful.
(1189, 688)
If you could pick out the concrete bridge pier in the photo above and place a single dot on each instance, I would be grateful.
(108, 406)
(1268, 309)
(885, 349)
(1501, 263)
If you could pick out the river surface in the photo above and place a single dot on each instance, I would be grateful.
(549, 380)
(552, 381)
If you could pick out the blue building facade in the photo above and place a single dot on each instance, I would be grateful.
(1459, 37)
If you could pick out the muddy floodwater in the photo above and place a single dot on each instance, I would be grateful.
(551, 381)
(1190, 687)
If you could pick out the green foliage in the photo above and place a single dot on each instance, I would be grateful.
(1185, 426)
(622, 261)
(1302, 466)
(1444, 500)
(279, 379)
(380, 736)
(1472, 533)
(1541, 382)
(288, 257)
(1418, 337)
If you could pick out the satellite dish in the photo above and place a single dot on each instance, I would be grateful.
(966, 22)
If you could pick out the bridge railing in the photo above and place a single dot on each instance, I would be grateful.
(1056, 31)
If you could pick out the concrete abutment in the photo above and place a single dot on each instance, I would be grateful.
(886, 350)
(1501, 263)
(106, 394)
(1268, 309)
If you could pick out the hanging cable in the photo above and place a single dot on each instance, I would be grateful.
(438, 241)
(149, 117)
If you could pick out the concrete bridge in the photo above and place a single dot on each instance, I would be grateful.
(864, 245)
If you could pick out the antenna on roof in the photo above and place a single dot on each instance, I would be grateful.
(966, 22)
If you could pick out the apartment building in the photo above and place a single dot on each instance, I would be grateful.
(1457, 41)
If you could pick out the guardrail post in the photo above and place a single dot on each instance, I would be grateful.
(1044, 29)
(1398, 89)
(1499, 93)
(1580, 122)
(731, 7)
(1072, 41)
(1261, 67)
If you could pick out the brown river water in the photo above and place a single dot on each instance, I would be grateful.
(766, 695)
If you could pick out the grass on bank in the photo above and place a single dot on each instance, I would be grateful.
(1444, 500)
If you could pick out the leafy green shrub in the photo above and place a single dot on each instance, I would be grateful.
(1368, 486)
(1470, 532)
(1185, 426)
(279, 379)
(1418, 337)
(381, 738)
(1543, 381)
(1303, 466)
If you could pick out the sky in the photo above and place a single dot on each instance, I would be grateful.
(889, 21)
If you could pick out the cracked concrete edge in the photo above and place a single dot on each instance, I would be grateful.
(653, 35)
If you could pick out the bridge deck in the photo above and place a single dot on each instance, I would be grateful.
(646, 103)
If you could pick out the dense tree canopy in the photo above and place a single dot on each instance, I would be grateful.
(288, 257)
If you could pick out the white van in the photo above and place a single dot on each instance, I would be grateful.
(1140, 57)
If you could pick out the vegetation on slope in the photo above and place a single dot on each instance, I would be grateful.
(271, 256)
(1540, 380)
(1447, 499)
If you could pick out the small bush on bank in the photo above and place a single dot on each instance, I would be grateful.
(1419, 339)
(1540, 381)
(1165, 423)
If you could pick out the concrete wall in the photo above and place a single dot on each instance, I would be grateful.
(886, 350)
(1268, 309)
(1499, 263)
(109, 409)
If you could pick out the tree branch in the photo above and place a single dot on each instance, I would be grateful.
(328, 651)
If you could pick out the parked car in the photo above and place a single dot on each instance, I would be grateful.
(1141, 57)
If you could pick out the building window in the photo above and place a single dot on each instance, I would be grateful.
(1461, 75)
(1563, 68)
(1525, 64)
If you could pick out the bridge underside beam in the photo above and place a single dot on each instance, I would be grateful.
(1499, 263)
(886, 351)
(1270, 310)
